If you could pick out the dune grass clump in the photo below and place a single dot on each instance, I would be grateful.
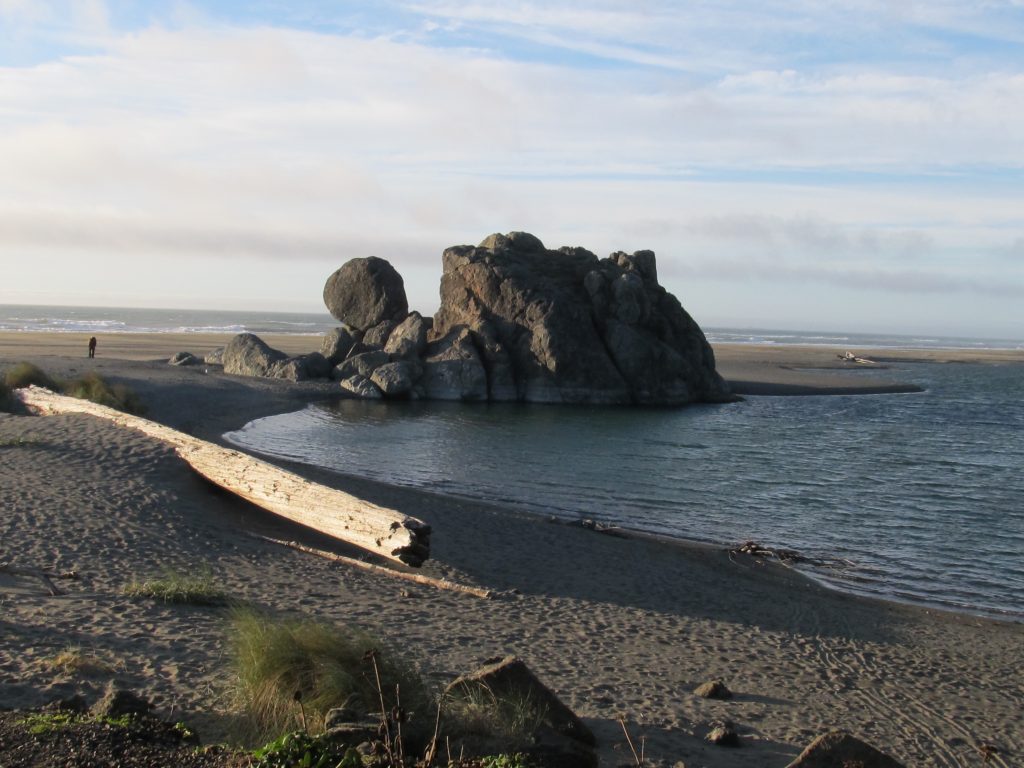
(96, 389)
(179, 588)
(25, 374)
(91, 386)
(75, 662)
(479, 711)
(291, 672)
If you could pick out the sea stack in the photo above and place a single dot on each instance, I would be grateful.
(562, 326)
(519, 322)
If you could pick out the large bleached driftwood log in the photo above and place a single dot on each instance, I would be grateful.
(380, 530)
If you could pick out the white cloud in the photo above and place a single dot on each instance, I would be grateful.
(283, 146)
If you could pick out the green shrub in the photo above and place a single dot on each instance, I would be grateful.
(179, 588)
(325, 665)
(5, 397)
(300, 749)
(24, 374)
(95, 388)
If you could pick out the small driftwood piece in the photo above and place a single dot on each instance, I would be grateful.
(385, 532)
(43, 576)
(786, 557)
(417, 578)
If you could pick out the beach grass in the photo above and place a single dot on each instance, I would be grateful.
(179, 588)
(480, 711)
(90, 386)
(292, 671)
(96, 389)
(25, 374)
(76, 662)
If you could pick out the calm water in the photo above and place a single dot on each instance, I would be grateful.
(922, 495)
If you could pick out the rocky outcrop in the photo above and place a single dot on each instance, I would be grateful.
(395, 379)
(409, 338)
(453, 369)
(337, 344)
(248, 355)
(517, 322)
(566, 327)
(366, 292)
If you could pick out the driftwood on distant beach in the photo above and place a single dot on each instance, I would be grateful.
(380, 530)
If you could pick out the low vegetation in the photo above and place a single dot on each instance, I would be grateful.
(39, 723)
(77, 662)
(27, 374)
(185, 589)
(96, 389)
(291, 672)
(480, 712)
(298, 748)
(91, 386)
(16, 442)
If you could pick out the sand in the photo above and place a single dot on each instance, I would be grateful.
(617, 627)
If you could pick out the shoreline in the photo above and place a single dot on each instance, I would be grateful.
(324, 475)
(750, 369)
(924, 685)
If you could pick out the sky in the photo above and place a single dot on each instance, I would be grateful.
(806, 164)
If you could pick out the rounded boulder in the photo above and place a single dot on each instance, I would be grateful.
(366, 292)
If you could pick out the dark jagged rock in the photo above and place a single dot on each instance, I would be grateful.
(366, 292)
(301, 368)
(364, 364)
(836, 749)
(360, 386)
(452, 369)
(216, 357)
(565, 326)
(409, 338)
(337, 343)
(395, 379)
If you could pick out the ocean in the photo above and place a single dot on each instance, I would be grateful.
(911, 497)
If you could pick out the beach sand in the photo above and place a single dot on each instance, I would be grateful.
(617, 627)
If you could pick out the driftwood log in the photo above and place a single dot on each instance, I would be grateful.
(39, 573)
(415, 578)
(379, 530)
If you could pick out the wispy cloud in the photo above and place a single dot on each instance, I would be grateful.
(791, 139)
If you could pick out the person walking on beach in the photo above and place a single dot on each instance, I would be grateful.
(92, 346)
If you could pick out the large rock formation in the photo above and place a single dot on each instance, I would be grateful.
(565, 326)
(366, 292)
(517, 322)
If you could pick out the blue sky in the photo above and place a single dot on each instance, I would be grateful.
(813, 165)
